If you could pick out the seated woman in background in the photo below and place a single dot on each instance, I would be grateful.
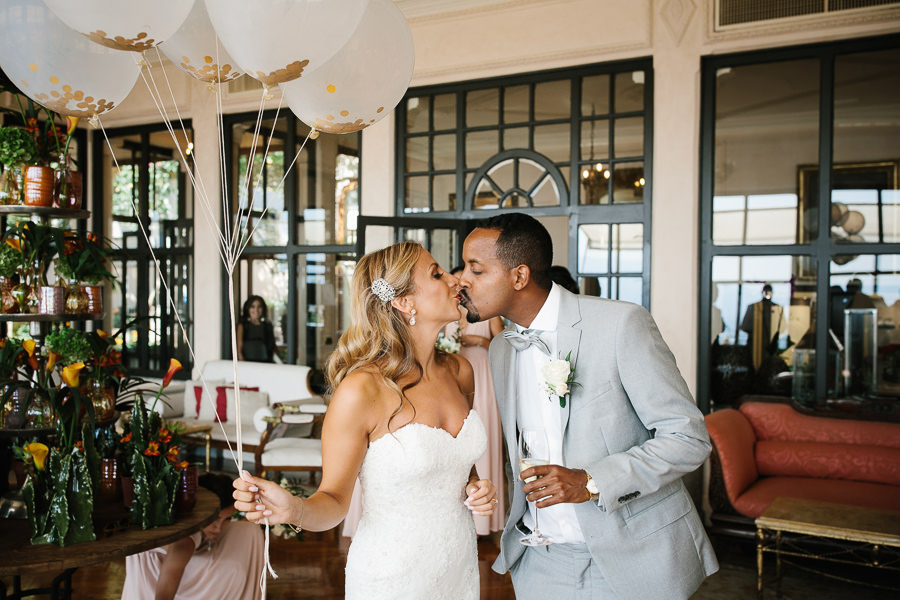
(223, 560)
(255, 334)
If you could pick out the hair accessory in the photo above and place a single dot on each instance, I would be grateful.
(412, 318)
(383, 290)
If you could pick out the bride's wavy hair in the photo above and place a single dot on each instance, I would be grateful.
(378, 334)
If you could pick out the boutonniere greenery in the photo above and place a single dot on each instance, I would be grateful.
(559, 379)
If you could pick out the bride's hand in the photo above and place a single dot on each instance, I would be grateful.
(260, 499)
(481, 497)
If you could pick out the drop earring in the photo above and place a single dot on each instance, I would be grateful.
(412, 318)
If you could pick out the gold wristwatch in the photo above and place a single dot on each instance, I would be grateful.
(592, 488)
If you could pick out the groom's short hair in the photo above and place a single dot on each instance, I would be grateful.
(523, 241)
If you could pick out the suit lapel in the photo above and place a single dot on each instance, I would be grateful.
(506, 399)
(568, 338)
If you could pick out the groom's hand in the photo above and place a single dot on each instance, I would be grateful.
(555, 484)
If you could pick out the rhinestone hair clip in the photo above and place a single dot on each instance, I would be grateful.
(383, 290)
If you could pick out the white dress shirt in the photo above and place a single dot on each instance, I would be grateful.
(536, 410)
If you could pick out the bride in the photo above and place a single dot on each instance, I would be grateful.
(401, 420)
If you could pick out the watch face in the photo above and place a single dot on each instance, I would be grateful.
(592, 487)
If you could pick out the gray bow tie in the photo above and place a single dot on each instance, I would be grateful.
(526, 339)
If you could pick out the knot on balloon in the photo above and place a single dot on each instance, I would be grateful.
(314, 134)
(139, 59)
(94, 121)
(267, 93)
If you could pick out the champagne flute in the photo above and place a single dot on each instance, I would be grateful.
(533, 450)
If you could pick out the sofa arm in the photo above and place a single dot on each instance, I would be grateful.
(733, 442)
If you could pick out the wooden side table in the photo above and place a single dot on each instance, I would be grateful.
(20, 557)
(868, 530)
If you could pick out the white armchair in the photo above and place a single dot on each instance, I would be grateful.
(276, 452)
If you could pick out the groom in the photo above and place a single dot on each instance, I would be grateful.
(611, 499)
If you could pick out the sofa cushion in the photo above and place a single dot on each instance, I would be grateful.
(196, 403)
(772, 421)
(760, 495)
(282, 382)
(251, 400)
(856, 462)
(733, 439)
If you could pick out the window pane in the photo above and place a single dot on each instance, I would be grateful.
(416, 154)
(617, 248)
(417, 114)
(766, 129)
(595, 95)
(629, 91)
(268, 278)
(444, 111)
(482, 107)
(444, 192)
(628, 182)
(552, 100)
(595, 139)
(515, 138)
(864, 313)
(553, 141)
(323, 305)
(260, 182)
(480, 146)
(762, 327)
(445, 152)
(515, 104)
(416, 194)
(628, 137)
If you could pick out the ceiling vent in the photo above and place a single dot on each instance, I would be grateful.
(731, 13)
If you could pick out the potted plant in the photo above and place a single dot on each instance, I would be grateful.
(83, 261)
(17, 148)
(10, 260)
(37, 246)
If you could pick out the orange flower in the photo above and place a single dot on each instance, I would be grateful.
(71, 124)
(79, 445)
(174, 367)
(172, 454)
(52, 357)
(70, 374)
(165, 436)
(126, 438)
(182, 465)
(102, 334)
(38, 452)
(14, 244)
(152, 449)
(29, 347)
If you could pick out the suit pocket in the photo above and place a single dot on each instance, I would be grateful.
(648, 515)
(595, 394)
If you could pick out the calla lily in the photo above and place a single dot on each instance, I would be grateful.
(174, 367)
(71, 374)
(52, 357)
(29, 347)
(38, 452)
(102, 334)
(71, 124)
(14, 244)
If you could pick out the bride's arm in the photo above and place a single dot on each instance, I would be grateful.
(479, 492)
(345, 435)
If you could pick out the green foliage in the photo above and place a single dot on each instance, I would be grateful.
(10, 259)
(60, 499)
(17, 147)
(71, 344)
(82, 257)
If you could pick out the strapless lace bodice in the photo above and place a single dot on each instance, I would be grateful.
(416, 538)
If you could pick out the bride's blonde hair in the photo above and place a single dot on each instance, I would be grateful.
(378, 334)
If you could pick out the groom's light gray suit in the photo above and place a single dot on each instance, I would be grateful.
(631, 423)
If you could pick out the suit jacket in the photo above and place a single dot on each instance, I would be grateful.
(632, 424)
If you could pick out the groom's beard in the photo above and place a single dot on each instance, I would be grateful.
(472, 315)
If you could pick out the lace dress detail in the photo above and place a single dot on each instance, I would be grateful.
(416, 538)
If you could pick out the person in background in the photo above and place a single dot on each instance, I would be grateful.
(474, 341)
(255, 335)
(561, 276)
(223, 560)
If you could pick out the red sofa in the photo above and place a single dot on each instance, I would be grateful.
(765, 450)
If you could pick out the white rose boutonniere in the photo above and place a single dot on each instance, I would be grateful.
(559, 379)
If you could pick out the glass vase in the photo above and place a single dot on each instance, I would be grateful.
(76, 298)
(8, 302)
(67, 193)
(37, 280)
(11, 186)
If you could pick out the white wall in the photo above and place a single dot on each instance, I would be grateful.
(458, 40)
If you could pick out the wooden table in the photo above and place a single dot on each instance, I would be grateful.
(866, 531)
(19, 557)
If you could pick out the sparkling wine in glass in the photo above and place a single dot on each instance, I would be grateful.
(533, 451)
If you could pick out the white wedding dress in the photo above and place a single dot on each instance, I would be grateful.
(416, 538)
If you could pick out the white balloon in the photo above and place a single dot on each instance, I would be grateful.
(121, 24)
(364, 81)
(195, 49)
(280, 40)
(57, 67)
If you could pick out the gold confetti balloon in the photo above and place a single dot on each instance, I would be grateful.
(56, 66)
(364, 81)
(196, 50)
(276, 41)
(123, 25)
